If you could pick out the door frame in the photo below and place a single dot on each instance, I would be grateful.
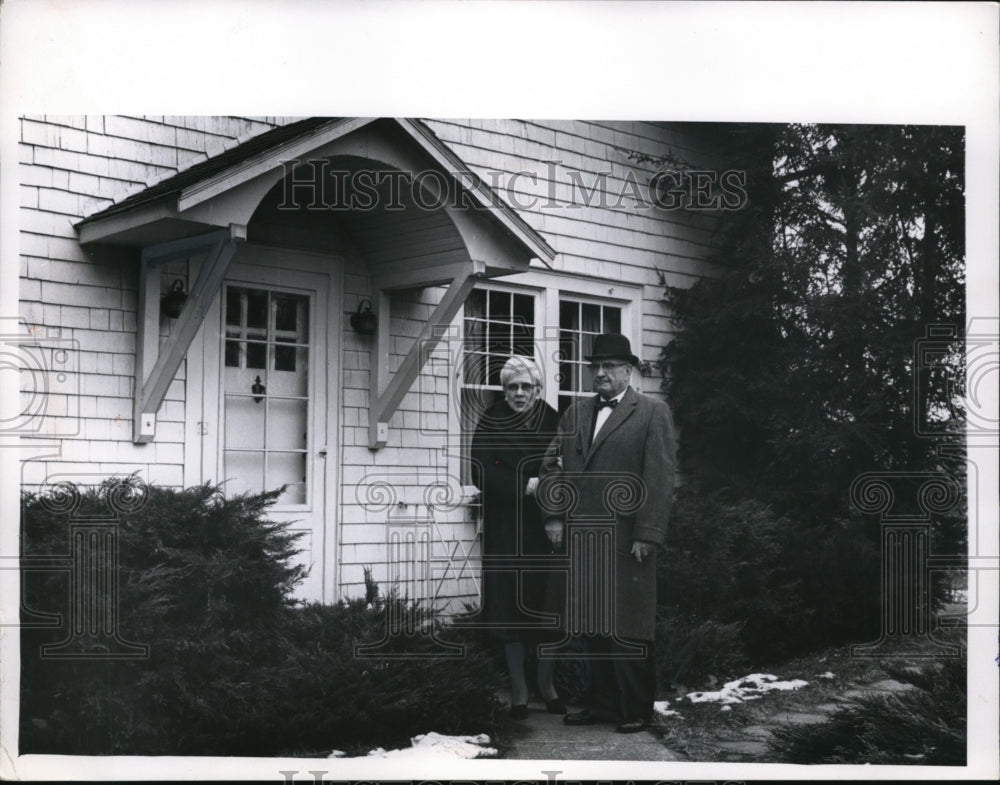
(262, 264)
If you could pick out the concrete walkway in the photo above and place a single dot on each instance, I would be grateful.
(543, 736)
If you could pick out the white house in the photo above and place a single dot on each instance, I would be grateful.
(467, 240)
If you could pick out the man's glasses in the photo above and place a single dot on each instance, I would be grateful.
(597, 367)
(525, 387)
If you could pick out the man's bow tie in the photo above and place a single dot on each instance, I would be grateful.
(601, 403)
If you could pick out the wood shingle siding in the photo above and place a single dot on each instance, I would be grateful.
(71, 167)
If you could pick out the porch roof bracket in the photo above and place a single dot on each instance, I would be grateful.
(155, 369)
(386, 402)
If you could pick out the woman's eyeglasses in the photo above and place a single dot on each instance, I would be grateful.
(522, 387)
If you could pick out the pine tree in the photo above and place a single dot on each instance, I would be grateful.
(793, 372)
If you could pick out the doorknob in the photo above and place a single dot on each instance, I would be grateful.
(322, 452)
(258, 391)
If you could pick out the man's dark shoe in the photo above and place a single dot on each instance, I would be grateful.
(585, 717)
(632, 726)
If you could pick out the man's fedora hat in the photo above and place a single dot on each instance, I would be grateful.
(612, 346)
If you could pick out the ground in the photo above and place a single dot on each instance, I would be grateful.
(708, 732)
(713, 731)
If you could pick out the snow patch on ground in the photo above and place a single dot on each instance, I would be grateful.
(436, 745)
(828, 675)
(663, 709)
(748, 688)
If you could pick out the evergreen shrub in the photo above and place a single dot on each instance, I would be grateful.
(741, 585)
(324, 694)
(688, 653)
(236, 666)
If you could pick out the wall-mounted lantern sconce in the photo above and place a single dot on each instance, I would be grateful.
(650, 367)
(258, 391)
(173, 300)
(363, 321)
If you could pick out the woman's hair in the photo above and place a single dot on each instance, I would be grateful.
(519, 364)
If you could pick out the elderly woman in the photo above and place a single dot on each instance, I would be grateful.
(509, 444)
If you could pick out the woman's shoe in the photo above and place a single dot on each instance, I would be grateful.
(585, 717)
(555, 706)
(519, 712)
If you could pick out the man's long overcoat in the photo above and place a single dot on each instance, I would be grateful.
(626, 475)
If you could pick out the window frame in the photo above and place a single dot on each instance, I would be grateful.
(492, 287)
(565, 297)
(549, 289)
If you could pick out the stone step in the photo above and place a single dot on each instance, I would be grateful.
(743, 748)
(801, 718)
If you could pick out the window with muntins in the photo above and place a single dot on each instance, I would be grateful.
(266, 392)
(497, 325)
(499, 322)
(579, 322)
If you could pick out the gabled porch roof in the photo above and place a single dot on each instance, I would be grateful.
(169, 209)
(207, 208)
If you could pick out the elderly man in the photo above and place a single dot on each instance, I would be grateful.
(614, 458)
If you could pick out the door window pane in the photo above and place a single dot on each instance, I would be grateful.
(286, 313)
(286, 424)
(244, 423)
(232, 354)
(266, 397)
(289, 372)
(284, 358)
(288, 469)
(256, 356)
(256, 300)
(244, 472)
(234, 307)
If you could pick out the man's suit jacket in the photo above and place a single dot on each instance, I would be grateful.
(625, 476)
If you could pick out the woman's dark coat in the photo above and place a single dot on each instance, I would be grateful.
(507, 450)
